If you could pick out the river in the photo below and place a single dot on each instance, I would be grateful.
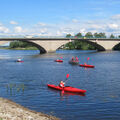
(26, 83)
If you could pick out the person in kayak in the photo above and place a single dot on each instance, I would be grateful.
(19, 60)
(61, 84)
(72, 59)
(76, 59)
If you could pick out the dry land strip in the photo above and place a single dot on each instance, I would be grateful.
(12, 111)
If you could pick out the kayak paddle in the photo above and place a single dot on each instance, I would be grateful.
(67, 76)
(87, 59)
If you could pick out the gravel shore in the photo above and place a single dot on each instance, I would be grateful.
(12, 111)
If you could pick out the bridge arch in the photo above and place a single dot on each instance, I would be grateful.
(40, 48)
(116, 47)
(96, 45)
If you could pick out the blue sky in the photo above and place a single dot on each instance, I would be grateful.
(59, 17)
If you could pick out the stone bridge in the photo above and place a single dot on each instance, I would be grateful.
(52, 44)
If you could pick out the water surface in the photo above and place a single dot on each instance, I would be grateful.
(25, 83)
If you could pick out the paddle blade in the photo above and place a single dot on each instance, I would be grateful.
(67, 76)
(88, 58)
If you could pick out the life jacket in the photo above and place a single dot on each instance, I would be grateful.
(61, 84)
(77, 59)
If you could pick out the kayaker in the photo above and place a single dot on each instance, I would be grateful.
(19, 60)
(72, 59)
(76, 58)
(61, 84)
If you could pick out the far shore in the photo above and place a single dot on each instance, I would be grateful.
(10, 110)
(19, 48)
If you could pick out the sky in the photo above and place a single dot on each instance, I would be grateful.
(59, 17)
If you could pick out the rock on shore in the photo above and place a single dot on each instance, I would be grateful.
(12, 111)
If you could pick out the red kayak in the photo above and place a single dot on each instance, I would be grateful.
(73, 62)
(67, 89)
(58, 60)
(88, 66)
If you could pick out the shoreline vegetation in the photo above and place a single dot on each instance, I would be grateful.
(10, 110)
(19, 45)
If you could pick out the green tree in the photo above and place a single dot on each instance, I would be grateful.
(78, 35)
(70, 46)
(20, 44)
(14, 44)
(96, 35)
(118, 36)
(112, 36)
(102, 35)
(80, 45)
(68, 35)
(88, 35)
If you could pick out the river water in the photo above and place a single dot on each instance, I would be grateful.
(26, 83)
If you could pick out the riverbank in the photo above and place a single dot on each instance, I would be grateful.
(12, 111)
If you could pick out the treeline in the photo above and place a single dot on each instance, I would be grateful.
(78, 45)
(20, 44)
(91, 35)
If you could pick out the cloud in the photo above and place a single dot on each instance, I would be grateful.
(43, 31)
(13, 23)
(75, 20)
(113, 26)
(1, 24)
(83, 30)
(71, 26)
(41, 24)
(116, 17)
(3, 29)
(18, 29)
(96, 26)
